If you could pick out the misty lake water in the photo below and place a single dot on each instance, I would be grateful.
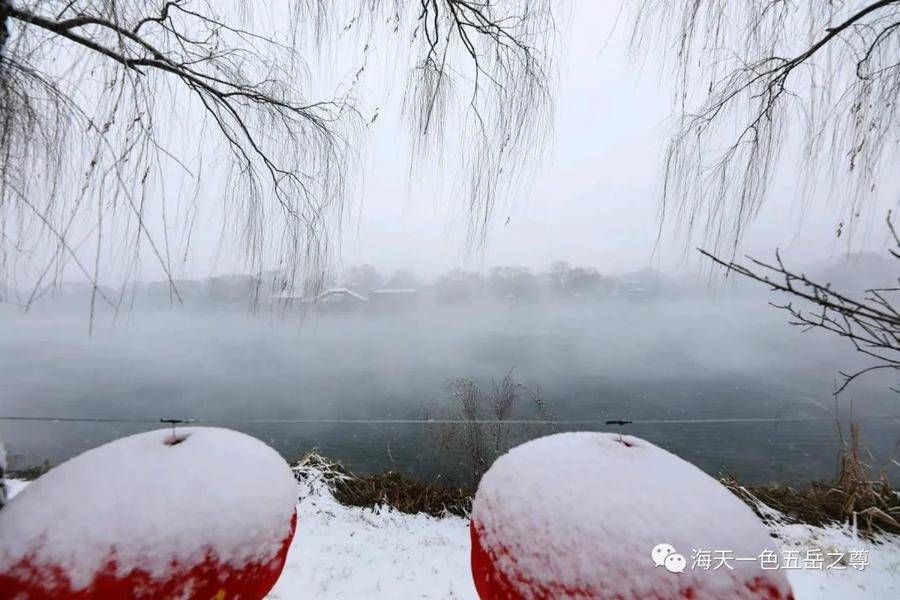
(727, 386)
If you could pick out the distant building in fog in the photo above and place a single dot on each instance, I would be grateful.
(394, 299)
(331, 300)
(339, 299)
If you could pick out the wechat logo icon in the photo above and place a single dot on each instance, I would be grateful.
(664, 555)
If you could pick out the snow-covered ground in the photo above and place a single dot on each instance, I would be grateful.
(347, 552)
(880, 579)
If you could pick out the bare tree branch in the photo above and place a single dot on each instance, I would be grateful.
(871, 323)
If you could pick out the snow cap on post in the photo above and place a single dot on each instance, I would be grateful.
(600, 515)
(208, 513)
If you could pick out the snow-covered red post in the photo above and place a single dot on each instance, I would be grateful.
(599, 515)
(208, 513)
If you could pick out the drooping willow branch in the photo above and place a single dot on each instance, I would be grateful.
(286, 156)
(508, 51)
(812, 87)
(241, 89)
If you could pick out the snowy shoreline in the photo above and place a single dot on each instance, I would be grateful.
(349, 552)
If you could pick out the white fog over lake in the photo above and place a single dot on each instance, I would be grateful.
(706, 369)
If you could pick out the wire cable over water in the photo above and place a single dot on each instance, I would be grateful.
(617, 422)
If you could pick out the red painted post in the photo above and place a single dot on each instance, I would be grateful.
(596, 515)
(206, 514)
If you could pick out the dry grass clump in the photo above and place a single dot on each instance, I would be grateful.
(855, 497)
(29, 473)
(401, 492)
(868, 503)
(405, 494)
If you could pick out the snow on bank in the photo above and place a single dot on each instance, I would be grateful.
(879, 579)
(348, 552)
(14, 486)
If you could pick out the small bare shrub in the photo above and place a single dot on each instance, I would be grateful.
(483, 425)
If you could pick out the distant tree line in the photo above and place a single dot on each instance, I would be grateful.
(505, 282)
(512, 284)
